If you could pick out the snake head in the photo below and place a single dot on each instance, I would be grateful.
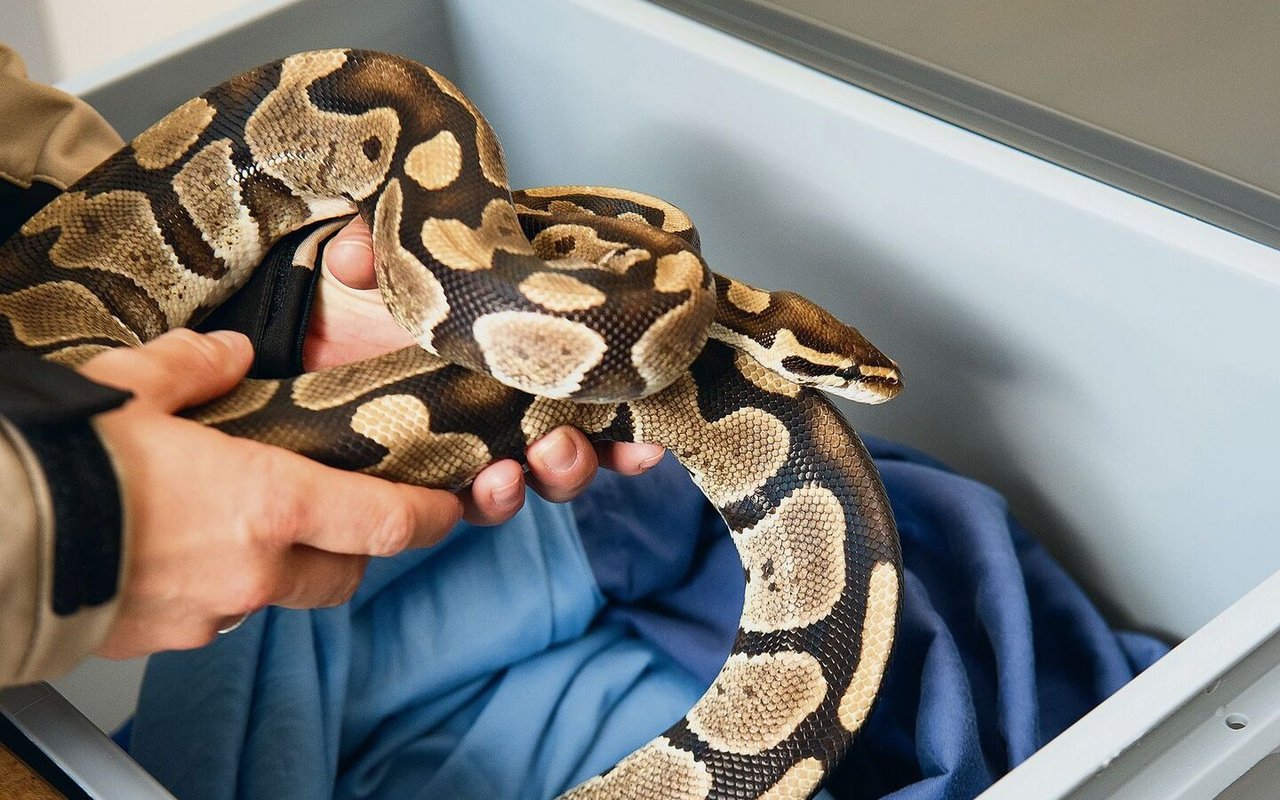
(803, 343)
(870, 377)
(838, 359)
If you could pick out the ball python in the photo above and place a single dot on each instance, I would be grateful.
(570, 305)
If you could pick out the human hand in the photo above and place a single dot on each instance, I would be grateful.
(349, 322)
(219, 527)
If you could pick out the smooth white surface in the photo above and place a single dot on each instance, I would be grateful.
(1164, 735)
(104, 691)
(60, 38)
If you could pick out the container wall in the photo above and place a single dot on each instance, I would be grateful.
(1106, 363)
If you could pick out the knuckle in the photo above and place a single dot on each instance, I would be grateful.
(393, 531)
(190, 345)
(276, 511)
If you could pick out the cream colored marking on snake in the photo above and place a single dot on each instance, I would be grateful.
(572, 246)
(655, 770)
(37, 329)
(758, 700)
(748, 298)
(253, 396)
(135, 249)
(785, 344)
(208, 189)
(743, 450)
(402, 424)
(556, 291)
(169, 139)
(436, 163)
(799, 782)
(545, 414)
(678, 272)
(330, 388)
(650, 355)
(763, 378)
(457, 246)
(795, 567)
(290, 137)
(877, 642)
(524, 350)
(76, 355)
(414, 296)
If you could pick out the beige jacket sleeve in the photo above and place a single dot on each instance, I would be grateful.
(46, 135)
(47, 140)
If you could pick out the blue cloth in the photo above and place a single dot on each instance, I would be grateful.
(516, 661)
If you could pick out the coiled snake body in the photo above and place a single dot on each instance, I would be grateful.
(571, 305)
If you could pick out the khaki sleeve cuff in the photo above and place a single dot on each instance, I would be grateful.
(35, 642)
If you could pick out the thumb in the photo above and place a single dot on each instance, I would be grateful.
(178, 369)
(349, 256)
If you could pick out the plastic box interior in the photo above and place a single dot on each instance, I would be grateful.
(1106, 363)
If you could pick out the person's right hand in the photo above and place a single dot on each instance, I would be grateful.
(218, 527)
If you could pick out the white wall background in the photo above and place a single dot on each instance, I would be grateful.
(62, 38)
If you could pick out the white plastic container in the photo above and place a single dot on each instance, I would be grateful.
(1107, 363)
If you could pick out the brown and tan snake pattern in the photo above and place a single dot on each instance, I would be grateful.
(569, 305)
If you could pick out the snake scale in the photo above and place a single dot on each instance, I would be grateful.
(567, 305)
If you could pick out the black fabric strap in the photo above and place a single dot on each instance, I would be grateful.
(272, 309)
(19, 204)
(36, 391)
(87, 518)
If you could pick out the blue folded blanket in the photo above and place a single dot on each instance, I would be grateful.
(516, 661)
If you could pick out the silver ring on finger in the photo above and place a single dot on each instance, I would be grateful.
(233, 626)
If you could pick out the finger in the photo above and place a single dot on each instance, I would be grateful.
(349, 256)
(314, 578)
(346, 512)
(627, 458)
(495, 495)
(178, 369)
(561, 464)
(135, 638)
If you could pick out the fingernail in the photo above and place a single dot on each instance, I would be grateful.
(507, 496)
(652, 461)
(352, 246)
(349, 260)
(557, 452)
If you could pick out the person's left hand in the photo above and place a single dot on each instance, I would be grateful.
(349, 323)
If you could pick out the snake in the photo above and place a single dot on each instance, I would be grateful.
(568, 305)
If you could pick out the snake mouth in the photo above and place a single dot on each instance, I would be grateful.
(879, 383)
